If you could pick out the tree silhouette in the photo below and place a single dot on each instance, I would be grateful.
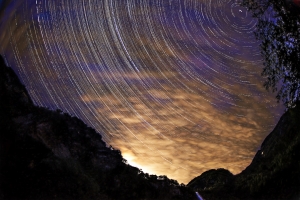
(278, 29)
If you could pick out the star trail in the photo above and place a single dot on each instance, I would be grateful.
(174, 84)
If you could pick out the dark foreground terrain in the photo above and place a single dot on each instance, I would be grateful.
(48, 154)
(273, 174)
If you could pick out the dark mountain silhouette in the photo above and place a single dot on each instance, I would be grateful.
(273, 174)
(48, 154)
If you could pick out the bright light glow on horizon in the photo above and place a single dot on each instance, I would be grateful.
(175, 85)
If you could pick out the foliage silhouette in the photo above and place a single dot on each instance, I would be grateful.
(278, 29)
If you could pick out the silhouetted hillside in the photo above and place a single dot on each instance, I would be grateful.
(273, 174)
(50, 155)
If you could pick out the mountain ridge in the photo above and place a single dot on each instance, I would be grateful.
(274, 172)
(48, 154)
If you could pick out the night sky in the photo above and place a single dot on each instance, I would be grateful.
(174, 84)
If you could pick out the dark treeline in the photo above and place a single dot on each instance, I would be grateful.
(48, 154)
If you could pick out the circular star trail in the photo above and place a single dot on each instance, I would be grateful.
(174, 84)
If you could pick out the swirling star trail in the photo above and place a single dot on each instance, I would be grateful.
(174, 84)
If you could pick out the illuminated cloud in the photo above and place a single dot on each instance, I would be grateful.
(175, 85)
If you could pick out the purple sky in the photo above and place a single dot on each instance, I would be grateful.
(175, 85)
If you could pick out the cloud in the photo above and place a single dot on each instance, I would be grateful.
(175, 87)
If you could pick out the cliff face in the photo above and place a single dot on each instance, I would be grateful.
(50, 155)
(275, 170)
(273, 174)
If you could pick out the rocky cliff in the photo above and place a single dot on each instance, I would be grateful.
(273, 174)
(47, 154)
